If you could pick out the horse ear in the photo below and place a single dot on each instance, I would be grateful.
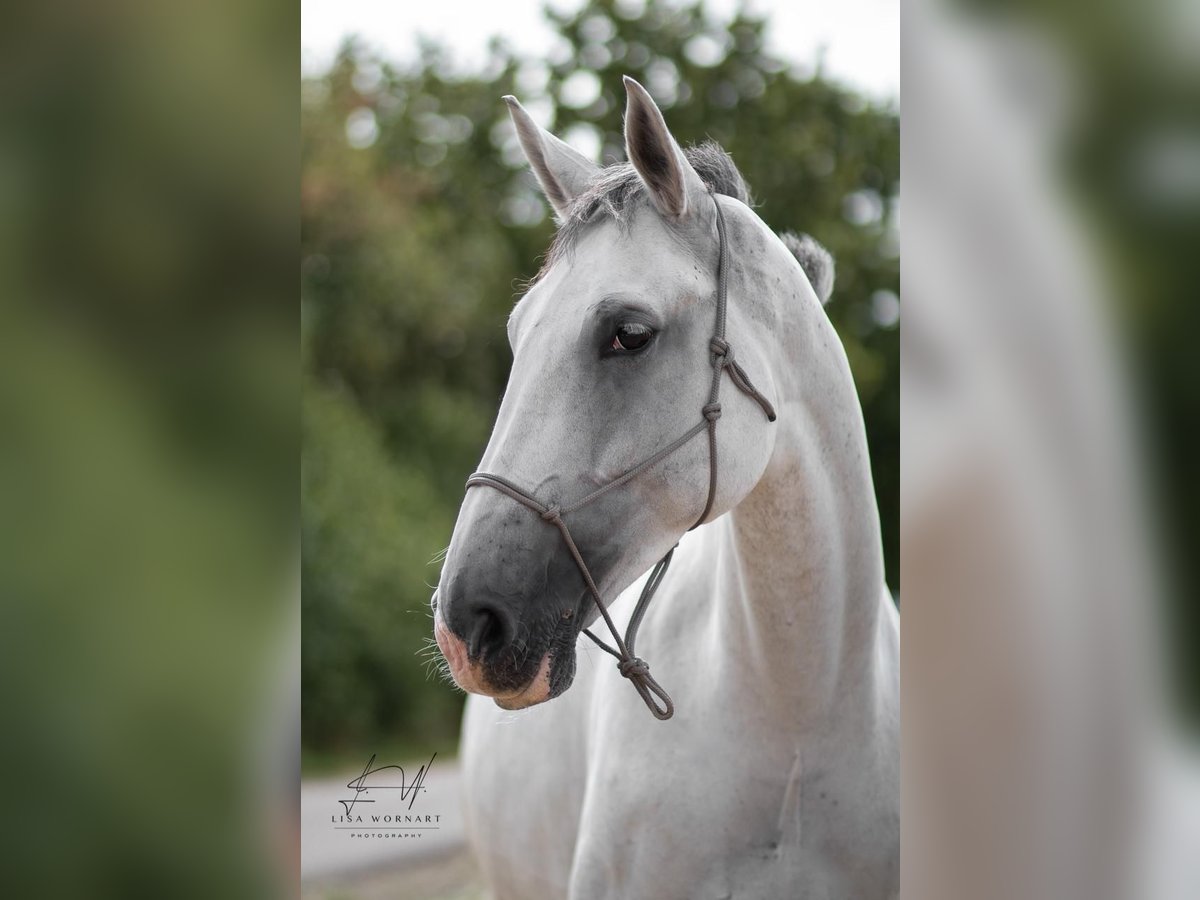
(563, 173)
(658, 159)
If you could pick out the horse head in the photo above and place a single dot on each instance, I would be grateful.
(614, 353)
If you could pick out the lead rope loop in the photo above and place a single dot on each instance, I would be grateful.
(631, 666)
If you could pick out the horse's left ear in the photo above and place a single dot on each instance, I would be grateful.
(673, 184)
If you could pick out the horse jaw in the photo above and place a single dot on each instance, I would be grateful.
(469, 676)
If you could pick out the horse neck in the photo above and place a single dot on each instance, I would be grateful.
(801, 601)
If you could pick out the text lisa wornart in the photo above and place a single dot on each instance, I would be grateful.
(386, 820)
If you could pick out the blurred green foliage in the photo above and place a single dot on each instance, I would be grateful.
(419, 221)
(147, 448)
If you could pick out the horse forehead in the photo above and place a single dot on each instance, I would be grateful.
(643, 252)
(643, 265)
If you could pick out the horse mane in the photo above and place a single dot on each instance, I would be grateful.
(619, 188)
(814, 260)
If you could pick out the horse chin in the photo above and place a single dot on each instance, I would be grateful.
(537, 691)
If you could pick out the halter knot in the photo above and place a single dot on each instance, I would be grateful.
(721, 351)
(712, 411)
(552, 514)
(633, 667)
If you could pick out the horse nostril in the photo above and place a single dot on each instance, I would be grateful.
(491, 631)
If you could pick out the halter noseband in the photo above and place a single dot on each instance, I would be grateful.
(630, 666)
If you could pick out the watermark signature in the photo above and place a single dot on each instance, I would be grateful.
(394, 780)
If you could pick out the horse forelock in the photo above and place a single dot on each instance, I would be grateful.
(619, 189)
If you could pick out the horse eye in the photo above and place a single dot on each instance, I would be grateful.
(630, 337)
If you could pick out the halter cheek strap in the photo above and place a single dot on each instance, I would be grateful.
(628, 664)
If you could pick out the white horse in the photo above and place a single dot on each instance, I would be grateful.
(778, 775)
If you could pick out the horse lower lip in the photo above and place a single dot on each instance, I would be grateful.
(537, 691)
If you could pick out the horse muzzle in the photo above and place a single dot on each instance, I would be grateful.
(471, 674)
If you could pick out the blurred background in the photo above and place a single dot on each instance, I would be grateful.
(419, 220)
(1051, 177)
